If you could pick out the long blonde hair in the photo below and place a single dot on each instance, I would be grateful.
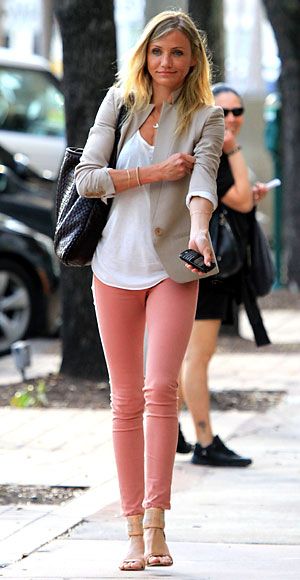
(135, 80)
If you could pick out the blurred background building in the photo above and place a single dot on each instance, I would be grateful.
(251, 59)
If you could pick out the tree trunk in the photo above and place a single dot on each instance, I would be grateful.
(89, 55)
(209, 18)
(285, 19)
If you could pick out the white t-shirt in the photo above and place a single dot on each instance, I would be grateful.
(125, 256)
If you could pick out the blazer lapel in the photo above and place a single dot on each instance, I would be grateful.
(132, 124)
(164, 142)
(163, 145)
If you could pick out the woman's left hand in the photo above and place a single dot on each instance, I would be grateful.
(259, 191)
(200, 242)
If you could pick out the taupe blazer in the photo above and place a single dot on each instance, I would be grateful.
(170, 218)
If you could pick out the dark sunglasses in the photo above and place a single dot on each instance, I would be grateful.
(237, 111)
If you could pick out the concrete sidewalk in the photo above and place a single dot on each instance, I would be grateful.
(234, 524)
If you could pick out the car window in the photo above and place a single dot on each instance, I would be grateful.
(30, 102)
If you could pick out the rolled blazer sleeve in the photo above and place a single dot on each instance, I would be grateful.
(91, 174)
(208, 151)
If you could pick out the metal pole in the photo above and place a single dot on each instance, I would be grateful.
(272, 118)
(277, 227)
(2, 12)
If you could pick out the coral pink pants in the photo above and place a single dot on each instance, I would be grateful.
(145, 424)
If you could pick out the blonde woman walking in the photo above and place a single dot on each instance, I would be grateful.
(164, 192)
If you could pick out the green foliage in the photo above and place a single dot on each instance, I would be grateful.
(32, 395)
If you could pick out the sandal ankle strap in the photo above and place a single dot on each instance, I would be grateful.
(135, 525)
(154, 518)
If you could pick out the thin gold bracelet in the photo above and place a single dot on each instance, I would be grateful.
(200, 211)
(137, 173)
(128, 178)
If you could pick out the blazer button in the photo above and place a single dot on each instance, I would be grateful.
(158, 232)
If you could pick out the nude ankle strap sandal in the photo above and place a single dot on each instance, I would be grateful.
(155, 519)
(134, 528)
(135, 525)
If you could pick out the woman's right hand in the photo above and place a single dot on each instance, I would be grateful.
(176, 166)
(259, 190)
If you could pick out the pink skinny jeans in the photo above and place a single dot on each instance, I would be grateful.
(145, 420)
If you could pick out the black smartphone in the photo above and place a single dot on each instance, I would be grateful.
(196, 260)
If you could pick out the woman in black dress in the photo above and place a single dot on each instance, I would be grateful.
(217, 297)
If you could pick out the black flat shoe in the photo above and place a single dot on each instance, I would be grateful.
(217, 454)
(182, 445)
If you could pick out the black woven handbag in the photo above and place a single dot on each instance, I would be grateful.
(80, 220)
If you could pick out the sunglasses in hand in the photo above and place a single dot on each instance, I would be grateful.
(237, 111)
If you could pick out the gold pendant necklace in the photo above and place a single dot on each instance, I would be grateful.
(156, 124)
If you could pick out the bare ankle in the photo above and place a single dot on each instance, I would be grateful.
(205, 441)
(204, 433)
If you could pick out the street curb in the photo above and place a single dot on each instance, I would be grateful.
(57, 522)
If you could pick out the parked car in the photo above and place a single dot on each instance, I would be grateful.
(32, 121)
(29, 283)
(32, 205)
(29, 269)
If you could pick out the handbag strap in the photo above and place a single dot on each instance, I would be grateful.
(120, 119)
(73, 154)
